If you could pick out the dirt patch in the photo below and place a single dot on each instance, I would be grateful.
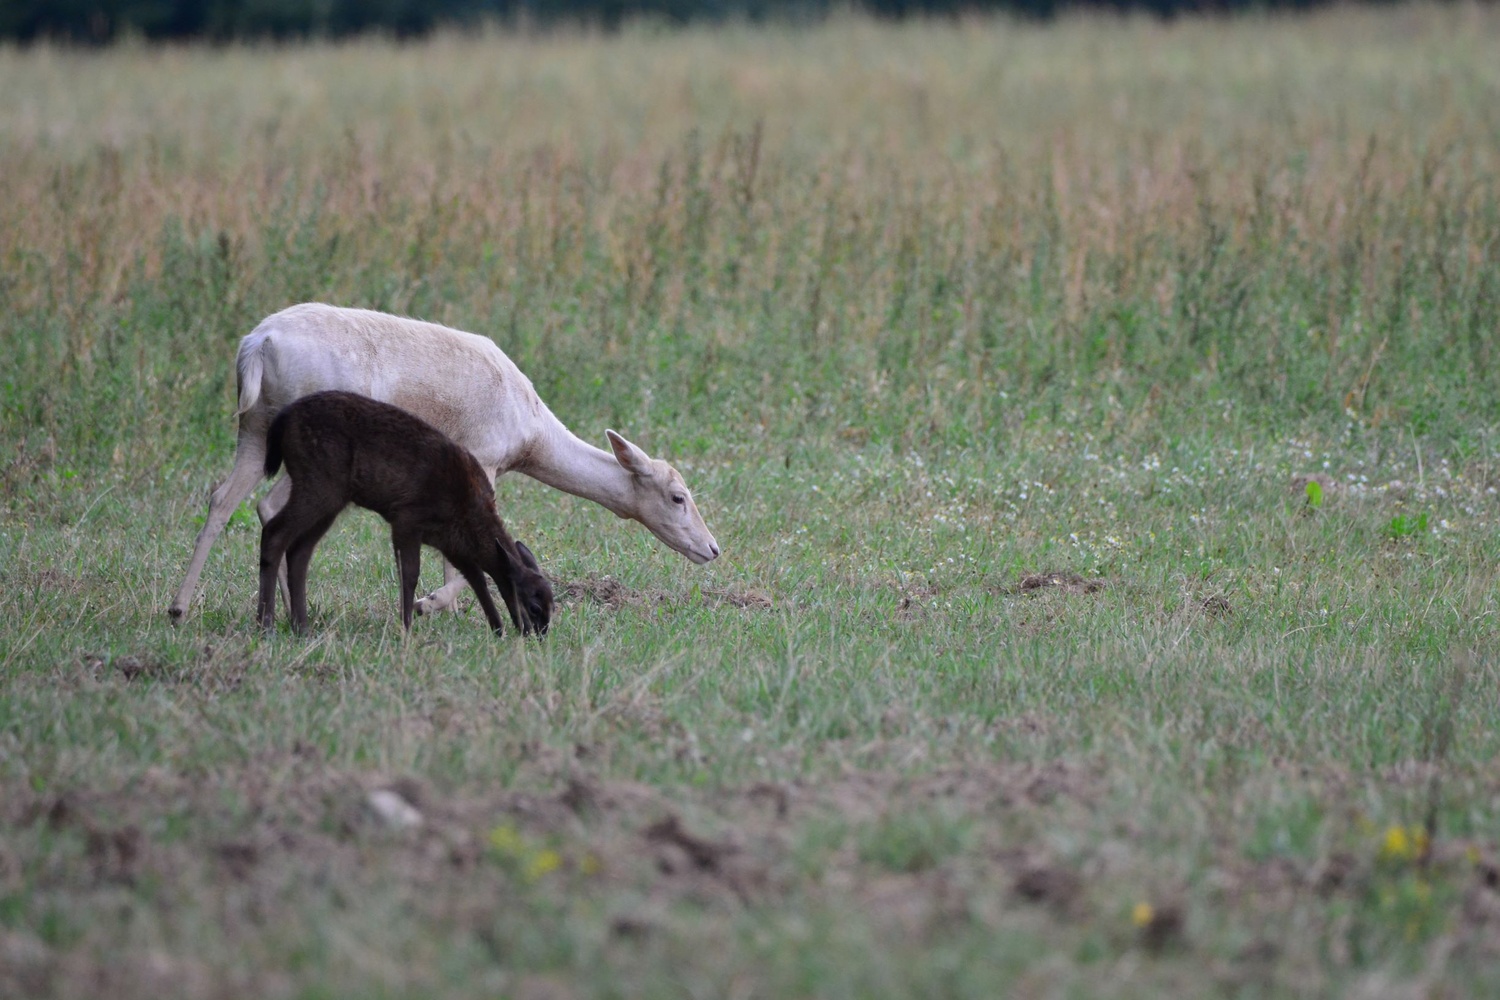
(605, 590)
(861, 796)
(680, 845)
(1216, 606)
(203, 669)
(1162, 927)
(535, 986)
(291, 803)
(1050, 885)
(279, 834)
(1277, 882)
(753, 599)
(915, 905)
(265, 833)
(127, 666)
(26, 965)
(51, 581)
(614, 595)
(916, 603)
(112, 852)
(586, 797)
(1065, 582)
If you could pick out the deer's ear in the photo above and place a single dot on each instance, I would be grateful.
(631, 458)
(526, 556)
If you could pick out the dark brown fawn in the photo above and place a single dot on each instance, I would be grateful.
(340, 448)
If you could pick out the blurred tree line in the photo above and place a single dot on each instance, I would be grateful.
(99, 21)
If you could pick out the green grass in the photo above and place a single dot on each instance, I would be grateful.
(1000, 359)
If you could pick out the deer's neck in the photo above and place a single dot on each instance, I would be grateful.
(566, 462)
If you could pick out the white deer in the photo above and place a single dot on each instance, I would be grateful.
(460, 383)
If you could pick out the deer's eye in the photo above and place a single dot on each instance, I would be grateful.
(678, 498)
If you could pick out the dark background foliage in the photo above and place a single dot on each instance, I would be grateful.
(100, 21)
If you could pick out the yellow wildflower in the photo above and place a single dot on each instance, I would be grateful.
(1397, 845)
(540, 863)
(1142, 913)
(1404, 844)
(507, 840)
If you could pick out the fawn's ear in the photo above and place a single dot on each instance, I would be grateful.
(505, 559)
(526, 556)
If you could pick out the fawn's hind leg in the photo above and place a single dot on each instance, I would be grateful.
(274, 539)
(273, 503)
(298, 558)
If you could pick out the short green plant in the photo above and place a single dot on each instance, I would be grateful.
(1405, 526)
(910, 842)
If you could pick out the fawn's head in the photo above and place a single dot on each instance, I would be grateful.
(525, 589)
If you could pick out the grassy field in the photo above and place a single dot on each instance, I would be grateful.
(1099, 422)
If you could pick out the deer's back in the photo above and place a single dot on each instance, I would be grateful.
(461, 383)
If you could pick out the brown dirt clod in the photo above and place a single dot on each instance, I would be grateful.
(614, 595)
(1067, 582)
(1164, 928)
(1050, 885)
(1216, 606)
(239, 858)
(580, 796)
(705, 855)
(776, 794)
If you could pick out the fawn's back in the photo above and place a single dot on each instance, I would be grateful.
(349, 449)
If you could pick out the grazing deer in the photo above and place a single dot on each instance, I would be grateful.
(340, 448)
(460, 383)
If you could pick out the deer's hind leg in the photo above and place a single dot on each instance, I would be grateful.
(248, 471)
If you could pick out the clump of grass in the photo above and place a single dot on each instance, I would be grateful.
(910, 842)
